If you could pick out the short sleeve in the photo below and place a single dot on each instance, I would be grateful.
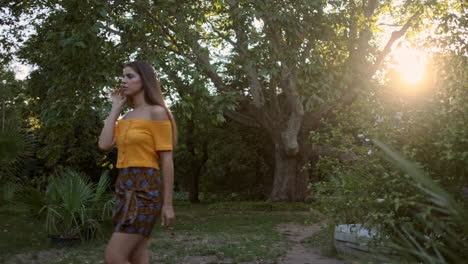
(162, 135)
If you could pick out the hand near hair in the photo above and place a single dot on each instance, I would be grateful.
(118, 99)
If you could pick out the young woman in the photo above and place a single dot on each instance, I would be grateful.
(145, 138)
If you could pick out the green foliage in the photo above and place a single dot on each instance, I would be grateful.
(427, 124)
(228, 158)
(428, 128)
(236, 163)
(324, 239)
(437, 233)
(16, 144)
(65, 90)
(367, 194)
(7, 191)
(203, 53)
(71, 205)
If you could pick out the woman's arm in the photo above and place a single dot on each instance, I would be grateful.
(106, 139)
(158, 113)
(166, 161)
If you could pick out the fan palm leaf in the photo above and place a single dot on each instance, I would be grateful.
(15, 146)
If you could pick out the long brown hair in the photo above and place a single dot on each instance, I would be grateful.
(153, 92)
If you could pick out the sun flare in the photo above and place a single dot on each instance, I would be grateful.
(410, 63)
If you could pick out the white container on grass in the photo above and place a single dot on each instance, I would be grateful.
(357, 241)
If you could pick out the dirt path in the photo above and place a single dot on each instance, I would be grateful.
(300, 254)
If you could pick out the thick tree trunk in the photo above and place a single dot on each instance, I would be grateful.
(290, 180)
(194, 180)
(197, 171)
(194, 173)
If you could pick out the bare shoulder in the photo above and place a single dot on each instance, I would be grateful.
(158, 113)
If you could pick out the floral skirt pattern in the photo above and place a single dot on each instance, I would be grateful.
(138, 200)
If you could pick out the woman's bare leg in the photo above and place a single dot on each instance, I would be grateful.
(140, 254)
(121, 247)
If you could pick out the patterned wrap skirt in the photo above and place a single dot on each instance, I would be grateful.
(138, 200)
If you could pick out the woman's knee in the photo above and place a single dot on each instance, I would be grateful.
(140, 254)
(120, 248)
(113, 260)
(113, 256)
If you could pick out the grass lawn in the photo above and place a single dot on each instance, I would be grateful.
(228, 233)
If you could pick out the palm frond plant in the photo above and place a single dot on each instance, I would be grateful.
(71, 205)
(15, 146)
(72, 192)
(438, 232)
(100, 206)
(15, 143)
(7, 192)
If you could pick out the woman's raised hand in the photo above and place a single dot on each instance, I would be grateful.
(118, 98)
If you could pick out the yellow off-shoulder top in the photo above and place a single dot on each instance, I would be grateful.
(138, 141)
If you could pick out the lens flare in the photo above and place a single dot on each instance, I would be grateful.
(410, 63)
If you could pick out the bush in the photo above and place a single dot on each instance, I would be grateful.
(438, 231)
(71, 204)
(429, 129)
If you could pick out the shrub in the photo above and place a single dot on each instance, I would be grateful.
(71, 204)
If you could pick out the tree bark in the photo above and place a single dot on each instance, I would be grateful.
(197, 171)
(194, 173)
(194, 191)
(290, 180)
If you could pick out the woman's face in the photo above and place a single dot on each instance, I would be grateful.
(131, 82)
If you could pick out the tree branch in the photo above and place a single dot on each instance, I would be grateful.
(357, 54)
(352, 27)
(312, 121)
(221, 35)
(248, 65)
(290, 135)
(394, 37)
(273, 96)
(350, 95)
(370, 8)
(241, 118)
(201, 57)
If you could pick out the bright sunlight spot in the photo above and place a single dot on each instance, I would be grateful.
(410, 63)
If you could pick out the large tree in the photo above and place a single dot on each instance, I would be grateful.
(73, 60)
(287, 64)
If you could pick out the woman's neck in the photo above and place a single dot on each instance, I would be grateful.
(139, 101)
